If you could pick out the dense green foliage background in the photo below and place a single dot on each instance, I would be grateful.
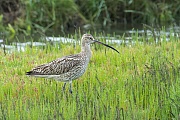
(30, 16)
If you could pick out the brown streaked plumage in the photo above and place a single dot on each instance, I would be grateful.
(70, 67)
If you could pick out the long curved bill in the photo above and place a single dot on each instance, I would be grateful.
(106, 45)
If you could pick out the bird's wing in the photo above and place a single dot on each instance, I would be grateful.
(58, 66)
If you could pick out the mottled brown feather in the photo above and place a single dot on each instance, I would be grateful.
(58, 66)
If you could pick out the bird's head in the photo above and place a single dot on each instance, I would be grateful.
(87, 39)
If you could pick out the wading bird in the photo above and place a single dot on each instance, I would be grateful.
(70, 67)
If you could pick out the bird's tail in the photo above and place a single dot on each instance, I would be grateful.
(29, 73)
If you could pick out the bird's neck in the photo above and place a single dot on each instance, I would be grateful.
(86, 50)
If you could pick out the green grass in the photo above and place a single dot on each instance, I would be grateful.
(142, 82)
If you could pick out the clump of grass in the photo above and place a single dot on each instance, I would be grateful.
(140, 83)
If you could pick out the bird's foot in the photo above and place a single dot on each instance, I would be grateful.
(70, 91)
(64, 87)
(70, 87)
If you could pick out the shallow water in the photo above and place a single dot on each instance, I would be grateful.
(122, 38)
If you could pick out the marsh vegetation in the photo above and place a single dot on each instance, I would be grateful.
(54, 17)
(142, 82)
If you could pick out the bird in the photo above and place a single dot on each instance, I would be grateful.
(68, 68)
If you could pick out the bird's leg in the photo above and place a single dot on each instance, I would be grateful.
(64, 86)
(70, 86)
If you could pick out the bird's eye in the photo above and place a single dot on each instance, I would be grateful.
(91, 38)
